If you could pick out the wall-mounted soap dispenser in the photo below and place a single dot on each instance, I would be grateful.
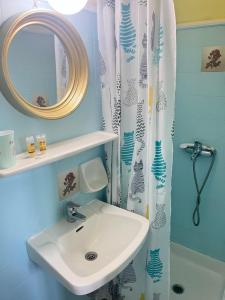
(93, 177)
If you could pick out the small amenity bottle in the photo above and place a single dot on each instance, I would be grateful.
(30, 146)
(42, 143)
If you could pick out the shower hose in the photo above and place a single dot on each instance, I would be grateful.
(196, 213)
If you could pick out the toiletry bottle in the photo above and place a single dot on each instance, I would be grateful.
(42, 144)
(30, 146)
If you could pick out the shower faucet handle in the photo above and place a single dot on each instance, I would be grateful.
(197, 150)
(205, 150)
(186, 146)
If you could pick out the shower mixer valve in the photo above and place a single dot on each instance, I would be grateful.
(197, 149)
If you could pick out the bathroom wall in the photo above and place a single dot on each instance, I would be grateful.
(29, 202)
(200, 115)
(188, 11)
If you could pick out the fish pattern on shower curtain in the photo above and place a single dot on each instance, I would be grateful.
(137, 63)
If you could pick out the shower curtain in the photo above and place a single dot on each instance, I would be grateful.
(137, 63)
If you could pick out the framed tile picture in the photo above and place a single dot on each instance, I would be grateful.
(68, 183)
(213, 59)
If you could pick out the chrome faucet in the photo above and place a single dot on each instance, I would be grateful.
(72, 214)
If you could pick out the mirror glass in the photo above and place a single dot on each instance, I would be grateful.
(38, 65)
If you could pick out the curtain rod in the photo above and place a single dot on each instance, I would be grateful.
(200, 24)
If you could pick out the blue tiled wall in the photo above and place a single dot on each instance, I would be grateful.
(200, 114)
(29, 201)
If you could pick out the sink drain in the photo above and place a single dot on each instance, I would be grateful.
(178, 289)
(90, 256)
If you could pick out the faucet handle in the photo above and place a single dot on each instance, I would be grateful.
(71, 208)
(72, 213)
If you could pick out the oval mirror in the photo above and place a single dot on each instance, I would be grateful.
(44, 66)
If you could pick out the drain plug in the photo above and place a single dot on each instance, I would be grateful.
(178, 289)
(90, 256)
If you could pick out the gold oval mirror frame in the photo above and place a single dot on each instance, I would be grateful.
(77, 61)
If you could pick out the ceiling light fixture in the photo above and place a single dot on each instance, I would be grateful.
(68, 7)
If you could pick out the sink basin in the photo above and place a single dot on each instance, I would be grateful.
(84, 256)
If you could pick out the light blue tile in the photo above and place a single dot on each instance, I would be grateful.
(200, 114)
(189, 59)
(201, 84)
(40, 286)
(190, 44)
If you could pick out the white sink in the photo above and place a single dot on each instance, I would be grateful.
(115, 234)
